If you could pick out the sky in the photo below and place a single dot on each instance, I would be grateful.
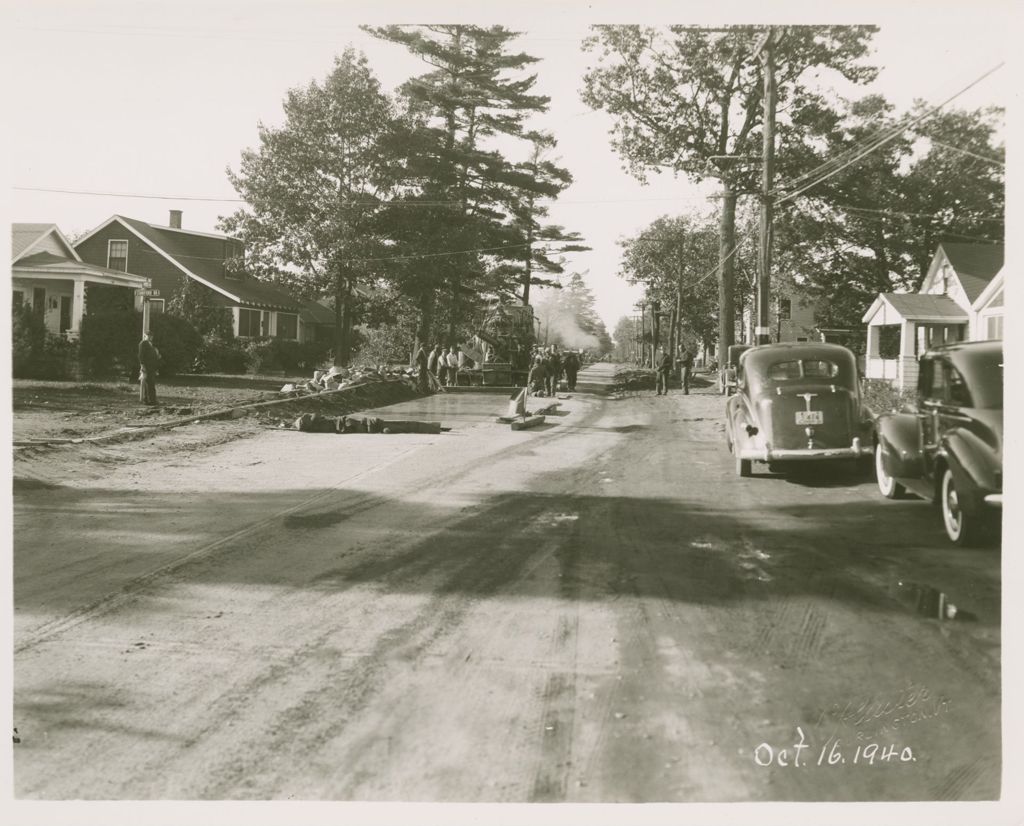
(158, 99)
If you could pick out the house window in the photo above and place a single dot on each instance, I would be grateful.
(156, 306)
(287, 326)
(17, 298)
(889, 341)
(234, 261)
(253, 323)
(39, 301)
(117, 255)
(785, 308)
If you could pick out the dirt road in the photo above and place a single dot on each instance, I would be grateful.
(594, 610)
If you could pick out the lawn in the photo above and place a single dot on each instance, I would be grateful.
(61, 409)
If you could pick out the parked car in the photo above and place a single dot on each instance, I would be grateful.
(796, 402)
(727, 373)
(948, 446)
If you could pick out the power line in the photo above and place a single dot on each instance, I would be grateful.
(896, 213)
(142, 196)
(879, 138)
(893, 134)
(965, 151)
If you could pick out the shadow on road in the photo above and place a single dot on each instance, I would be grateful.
(665, 547)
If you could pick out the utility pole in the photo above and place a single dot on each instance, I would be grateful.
(765, 47)
(643, 335)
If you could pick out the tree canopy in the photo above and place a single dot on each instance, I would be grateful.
(313, 186)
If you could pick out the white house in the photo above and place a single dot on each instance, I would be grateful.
(50, 277)
(961, 299)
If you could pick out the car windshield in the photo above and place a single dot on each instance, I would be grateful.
(804, 368)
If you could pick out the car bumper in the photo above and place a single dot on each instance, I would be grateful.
(770, 454)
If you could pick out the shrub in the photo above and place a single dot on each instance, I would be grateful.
(386, 344)
(109, 343)
(261, 356)
(28, 340)
(178, 342)
(882, 396)
(218, 354)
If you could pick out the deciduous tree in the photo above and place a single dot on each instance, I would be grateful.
(313, 186)
(688, 100)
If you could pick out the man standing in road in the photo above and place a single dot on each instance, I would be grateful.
(687, 361)
(421, 367)
(453, 366)
(571, 365)
(554, 370)
(149, 360)
(664, 366)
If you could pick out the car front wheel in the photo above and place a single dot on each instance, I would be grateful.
(961, 528)
(887, 486)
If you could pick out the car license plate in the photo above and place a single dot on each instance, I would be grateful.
(809, 417)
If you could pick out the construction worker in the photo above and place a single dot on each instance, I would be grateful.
(663, 365)
(537, 381)
(452, 358)
(421, 369)
(571, 365)
(687, 361)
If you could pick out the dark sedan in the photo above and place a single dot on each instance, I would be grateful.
(794, 403)
(948, 446)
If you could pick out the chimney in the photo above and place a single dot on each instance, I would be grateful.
(175, 219)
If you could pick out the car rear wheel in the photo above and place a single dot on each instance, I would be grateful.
(961, 527)
(887, 486)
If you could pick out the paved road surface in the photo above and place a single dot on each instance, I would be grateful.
(594, 610)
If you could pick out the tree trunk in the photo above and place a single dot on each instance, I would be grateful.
(655, 332)
(453, 311)
(340, 296)
(426, 318)
(346, 349)
(528, 275)
(677, 311)
(726, 271)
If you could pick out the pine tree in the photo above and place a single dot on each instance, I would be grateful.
(474, 200)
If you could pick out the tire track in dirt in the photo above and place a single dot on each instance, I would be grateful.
(324, 712)
(139, 586)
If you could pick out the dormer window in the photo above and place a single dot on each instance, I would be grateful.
(234, 264)
(117, 255)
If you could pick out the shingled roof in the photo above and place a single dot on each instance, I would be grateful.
(203, 255)
(975, 264)
(914, 306)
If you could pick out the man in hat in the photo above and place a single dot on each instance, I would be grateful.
(149, 361)
(421, 367)
(663, 365)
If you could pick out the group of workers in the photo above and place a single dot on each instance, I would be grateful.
(443, 363)
(548, 365)
(664, 365)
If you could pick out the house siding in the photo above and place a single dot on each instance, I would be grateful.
(142, 260)
(50, 244)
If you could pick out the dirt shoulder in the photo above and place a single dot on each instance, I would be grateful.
(62, 412)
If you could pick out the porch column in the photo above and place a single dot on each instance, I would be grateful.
(77, 309)
(908, 344)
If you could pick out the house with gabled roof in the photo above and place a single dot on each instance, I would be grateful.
(48, 275)
(961, 299)
(168, 255)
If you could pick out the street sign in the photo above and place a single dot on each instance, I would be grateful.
(151, 293)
